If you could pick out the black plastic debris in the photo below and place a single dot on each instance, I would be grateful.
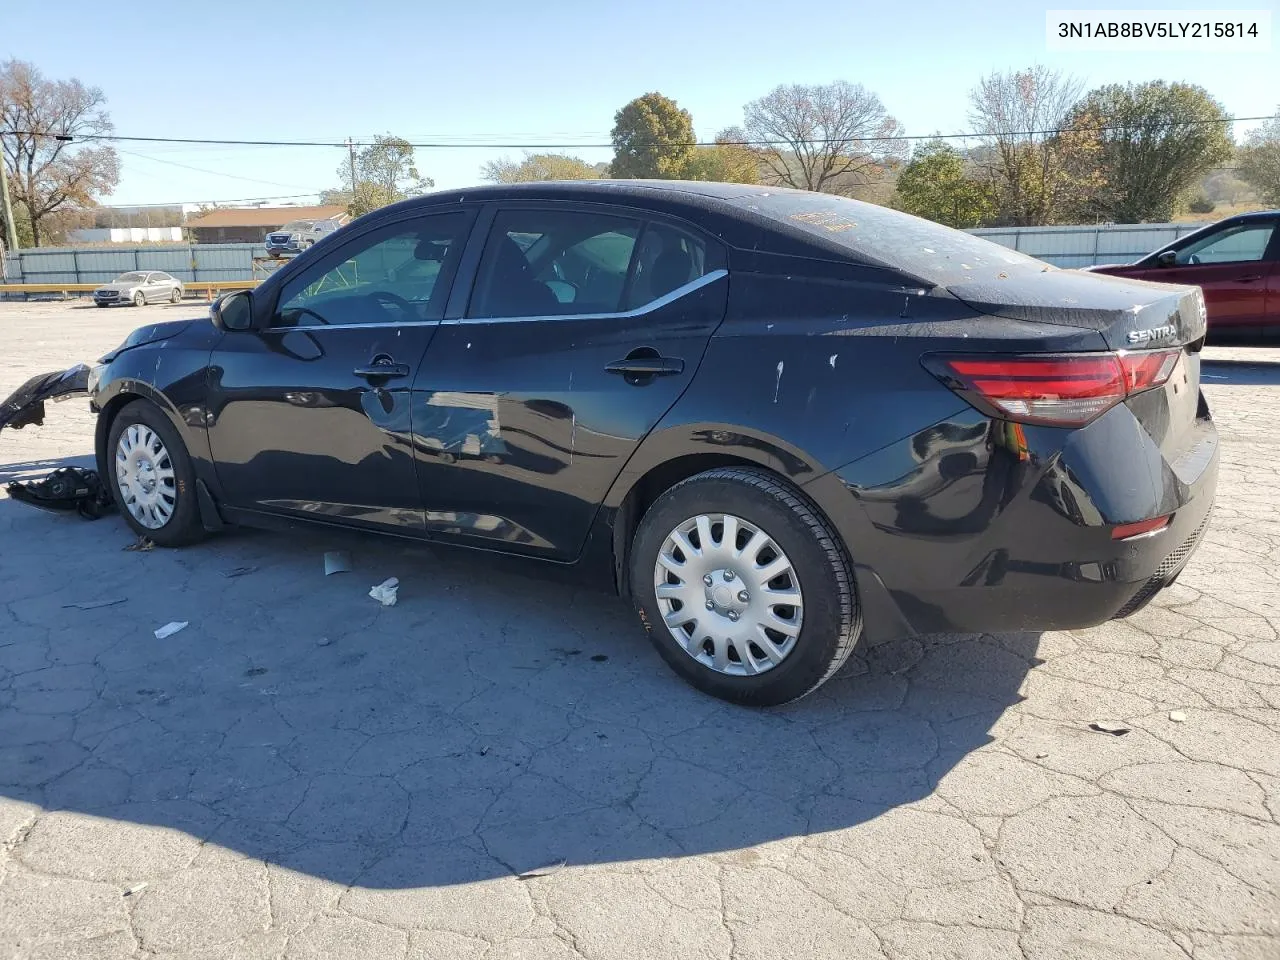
(25, 406)
(66, 489)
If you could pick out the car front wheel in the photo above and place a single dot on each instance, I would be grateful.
(152, 477)
(139, 299)
(743, 588)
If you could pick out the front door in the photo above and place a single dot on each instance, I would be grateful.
(583, 329)
(1232, 267)
(310, 414)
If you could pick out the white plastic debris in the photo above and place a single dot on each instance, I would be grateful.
(169, 629)
(385, 592)
(337, 561)
(1177, 716)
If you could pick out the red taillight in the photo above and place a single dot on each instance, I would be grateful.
(1143, 528)
(1062, 390)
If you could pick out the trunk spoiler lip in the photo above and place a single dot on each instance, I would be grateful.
(26, 404)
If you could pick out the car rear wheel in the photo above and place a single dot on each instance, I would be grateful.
(175, 296)
(743, 588)
(152, 478)
(139, 299)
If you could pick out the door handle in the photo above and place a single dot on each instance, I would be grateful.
(647, 366)
(1251, 278)
(381, 369)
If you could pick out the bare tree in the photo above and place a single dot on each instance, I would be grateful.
(538, 166)
(42, 121)
(1025, 161)
(829, 137)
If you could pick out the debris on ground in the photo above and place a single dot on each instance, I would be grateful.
(1041, 756)
(142, 545)
(599, 658)
(136, 889)
(385, 592)
(239, 572)
(169, 629)
(65, 489)
(1110, 726)
(94, 604)
(337, 561)
(1177, 716)
(323, 642)
(546, 871)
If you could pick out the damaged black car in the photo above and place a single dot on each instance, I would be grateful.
(778, 422)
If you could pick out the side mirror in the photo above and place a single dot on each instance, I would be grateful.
(1167, 258)
(233, 311)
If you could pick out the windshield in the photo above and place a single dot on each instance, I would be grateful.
(298, 226)
(131, 278)
(876, 235)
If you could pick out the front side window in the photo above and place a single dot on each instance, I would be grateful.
(540, 263)
(1244, 243)
(387, 276)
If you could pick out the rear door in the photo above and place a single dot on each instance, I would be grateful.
(583, 327)
(310, 415)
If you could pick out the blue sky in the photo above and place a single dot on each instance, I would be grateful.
(551, 71)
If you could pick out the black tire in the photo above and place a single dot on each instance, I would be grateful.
(832, 620)
(139, 299)
(183, 526)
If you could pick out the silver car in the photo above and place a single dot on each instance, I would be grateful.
(139, 287)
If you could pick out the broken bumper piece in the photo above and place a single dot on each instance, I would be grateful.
(26, 404)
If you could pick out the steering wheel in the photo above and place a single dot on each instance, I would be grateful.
(397, 301)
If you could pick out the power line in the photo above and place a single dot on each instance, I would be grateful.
(216, 173)
(472, 145)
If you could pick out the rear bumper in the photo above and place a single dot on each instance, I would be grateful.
(995, 537)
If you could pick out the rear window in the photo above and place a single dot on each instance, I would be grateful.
(878, 236)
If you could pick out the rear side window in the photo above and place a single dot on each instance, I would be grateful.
(668, 258)
(540, 263)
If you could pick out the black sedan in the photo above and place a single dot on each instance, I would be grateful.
(781, 423)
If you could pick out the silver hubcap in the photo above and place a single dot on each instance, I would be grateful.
(145, 476)
(728, 594)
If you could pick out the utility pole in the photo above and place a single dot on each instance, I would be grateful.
(10, 228)
(351, 155)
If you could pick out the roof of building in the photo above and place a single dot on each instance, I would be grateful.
(265, 216)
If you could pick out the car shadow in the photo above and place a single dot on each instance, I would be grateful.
(486, 725)
(1240, 373)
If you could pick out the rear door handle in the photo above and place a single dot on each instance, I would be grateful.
(382, 368)
(647, 366)
(1251, 278)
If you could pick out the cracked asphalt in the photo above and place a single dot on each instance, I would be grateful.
(501, 767)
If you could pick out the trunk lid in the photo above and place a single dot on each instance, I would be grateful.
(1129, 314)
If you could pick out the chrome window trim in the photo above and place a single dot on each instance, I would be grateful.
(652, 305)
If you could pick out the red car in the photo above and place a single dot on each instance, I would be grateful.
(1236, 262)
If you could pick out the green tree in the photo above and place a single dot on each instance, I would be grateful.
(1259, 161)
(49, 170)
(384, 173)
(538, 166)
(1157, 142)
(935, 185)
(652, 138)
(729, 160)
